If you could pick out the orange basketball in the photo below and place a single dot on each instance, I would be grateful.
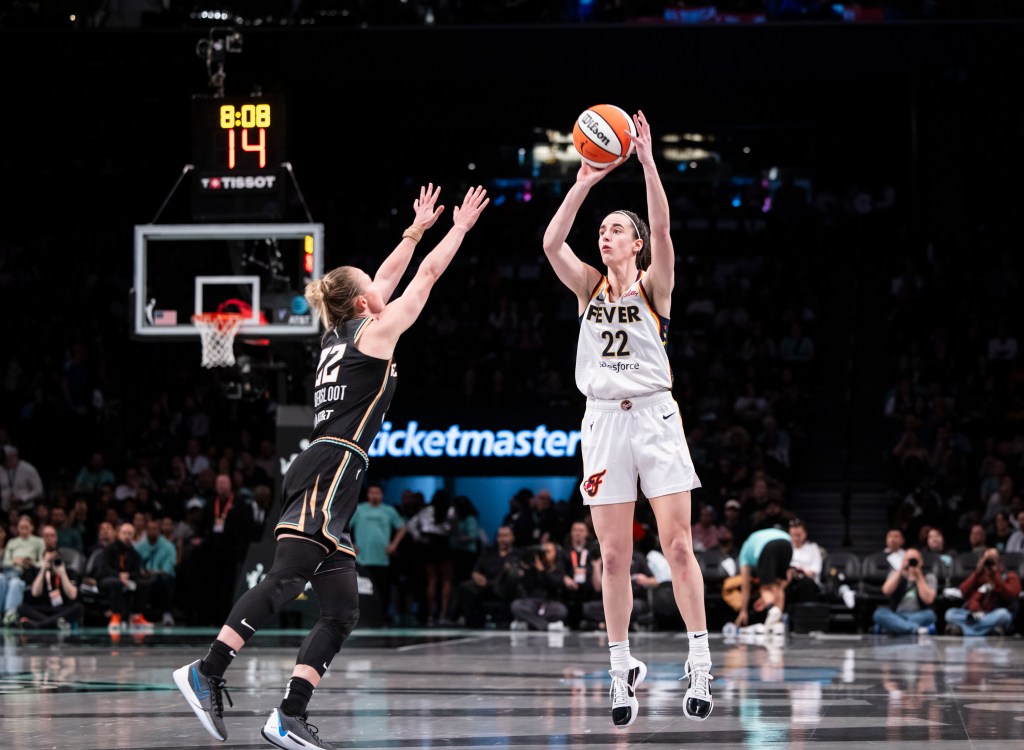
(600, 135)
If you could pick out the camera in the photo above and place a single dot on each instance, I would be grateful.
(56, 562)
(912, 562)
(990, 563)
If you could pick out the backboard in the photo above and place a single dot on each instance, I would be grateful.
(259, 270)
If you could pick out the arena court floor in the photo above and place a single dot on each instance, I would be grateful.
(477, 689)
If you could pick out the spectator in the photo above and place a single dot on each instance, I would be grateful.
(432, 529)
(52, 599)
(580, 584)
(377, 531)
(776, 443)
(773, 516)
(1002, 499)
(465, 540)
(1015, 543)
(22, 554)
(226, 527)
(734, 522)
(796, 347)
(911, 594)
(1002, 530)
(990, 596)
(492, 581)
(93, 476)
(21, 487)
(538, 522)
(119, 572)
(706, 532)
(894, 541)
(262, 496)
(159, 563)
(642, 580)
(128, 487)
(977, 539)
(539, 605)
(935, 541)
(766, 554)
(267, 460)
(67, 536)
(195, 460)
(804, 580)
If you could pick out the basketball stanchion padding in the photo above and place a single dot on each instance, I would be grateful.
(217, 332)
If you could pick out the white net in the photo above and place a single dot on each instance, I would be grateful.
(217, 332)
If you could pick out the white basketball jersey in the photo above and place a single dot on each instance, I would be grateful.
(621, 350)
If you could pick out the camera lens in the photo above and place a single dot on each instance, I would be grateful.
(912, 562)
(57, 562)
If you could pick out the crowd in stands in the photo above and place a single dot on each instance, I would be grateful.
(955, 453)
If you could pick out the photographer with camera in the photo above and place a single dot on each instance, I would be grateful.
(911, 594)
(541, 605)
(990, 596)
(52, 600)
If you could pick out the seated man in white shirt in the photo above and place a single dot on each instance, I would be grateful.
(803, 583)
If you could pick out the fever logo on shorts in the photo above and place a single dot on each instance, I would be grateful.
(593, 482)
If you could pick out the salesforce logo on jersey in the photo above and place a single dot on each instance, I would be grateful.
(409, 440)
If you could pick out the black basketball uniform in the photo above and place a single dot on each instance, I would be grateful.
(351, 394)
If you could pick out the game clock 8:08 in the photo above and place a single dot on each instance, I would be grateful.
(234, 135)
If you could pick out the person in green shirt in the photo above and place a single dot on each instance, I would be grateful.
(67, 535)
(377, 531)
(766, 555)
(22, 553)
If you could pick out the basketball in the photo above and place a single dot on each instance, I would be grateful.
(599, 135)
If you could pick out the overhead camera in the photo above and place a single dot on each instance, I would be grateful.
(214, 50)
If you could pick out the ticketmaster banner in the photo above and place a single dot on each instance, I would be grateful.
(462, 443)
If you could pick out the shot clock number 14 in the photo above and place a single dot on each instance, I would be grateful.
(237, 135)
(252, 121)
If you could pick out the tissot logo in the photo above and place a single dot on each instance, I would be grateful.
(249, 182)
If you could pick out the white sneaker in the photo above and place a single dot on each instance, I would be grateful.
(774, 624)
(850, 596)
(557, 627)
(697, 703)
(518, 625)
(625, 706)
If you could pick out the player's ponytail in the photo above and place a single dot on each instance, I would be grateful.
(333, 296)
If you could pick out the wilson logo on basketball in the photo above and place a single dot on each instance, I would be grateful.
(593, 482)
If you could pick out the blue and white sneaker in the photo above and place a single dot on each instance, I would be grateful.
(205, 695)
(291, 732)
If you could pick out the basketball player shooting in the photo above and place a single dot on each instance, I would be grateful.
(631, 425)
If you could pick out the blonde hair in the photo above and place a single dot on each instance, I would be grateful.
(333, 295)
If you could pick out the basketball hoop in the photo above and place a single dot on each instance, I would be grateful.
(217, 331)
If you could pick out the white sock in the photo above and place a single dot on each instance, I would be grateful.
(699, 651)
(620, 655)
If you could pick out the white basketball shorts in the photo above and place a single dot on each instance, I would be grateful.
(638, 437)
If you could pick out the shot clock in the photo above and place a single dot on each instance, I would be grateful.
(237, 150)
